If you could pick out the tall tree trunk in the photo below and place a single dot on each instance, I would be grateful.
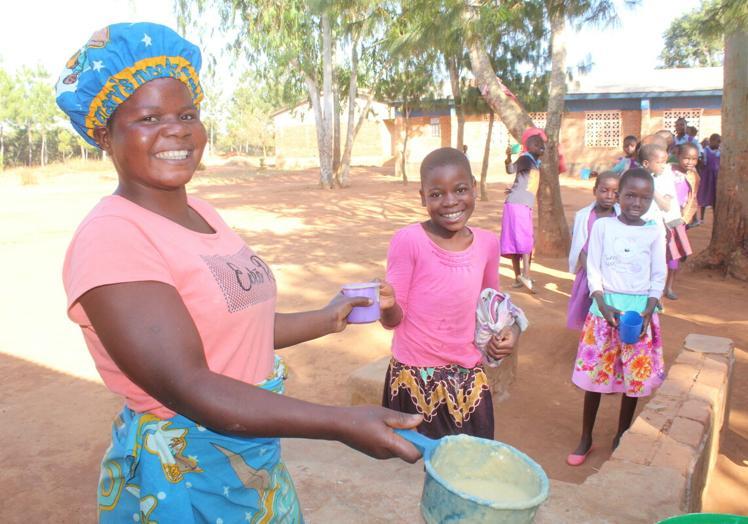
(326, 151)
(336, 132)
(399, 136)
(352, 95)
(212, 138)
(454, 78)
(553, 236)
(313, 91)
(28, 131)
(728, 248)
(510, 112)
(486, 153)
(553, 239)
(43, 152)
(404, 155)
(2, 148)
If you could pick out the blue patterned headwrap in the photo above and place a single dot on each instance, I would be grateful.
(114, 63)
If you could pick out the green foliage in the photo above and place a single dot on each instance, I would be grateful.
(695, 39)
(31, 125)
(249, 126)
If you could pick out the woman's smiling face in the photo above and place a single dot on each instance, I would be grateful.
(155, 137)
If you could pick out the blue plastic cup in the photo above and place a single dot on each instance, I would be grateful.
(630, 327)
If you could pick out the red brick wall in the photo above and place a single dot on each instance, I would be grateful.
(597, 158)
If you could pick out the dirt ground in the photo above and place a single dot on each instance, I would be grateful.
(55, 413)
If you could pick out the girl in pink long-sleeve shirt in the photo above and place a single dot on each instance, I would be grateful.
(435, 272)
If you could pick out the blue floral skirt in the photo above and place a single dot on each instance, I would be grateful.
(175, 471)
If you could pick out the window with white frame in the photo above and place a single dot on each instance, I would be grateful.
(436, 128)
(602, 129)
(692, 116)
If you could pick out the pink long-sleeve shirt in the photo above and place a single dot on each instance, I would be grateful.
(438, 291)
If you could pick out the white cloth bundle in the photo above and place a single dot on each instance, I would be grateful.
(495, 312)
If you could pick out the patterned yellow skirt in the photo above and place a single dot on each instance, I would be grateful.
(452, 399)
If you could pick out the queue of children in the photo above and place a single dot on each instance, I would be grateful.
(630, 262)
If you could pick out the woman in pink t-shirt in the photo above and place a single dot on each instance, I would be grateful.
(435, 273)
(179, 313)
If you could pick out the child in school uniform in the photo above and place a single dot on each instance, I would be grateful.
(517, 235)
(664, 209)
(626, 272)
(628, 160)
(606, 194)
(686, 183)
(436, 271)
(707, 193)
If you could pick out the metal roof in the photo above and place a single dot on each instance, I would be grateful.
(665, 82)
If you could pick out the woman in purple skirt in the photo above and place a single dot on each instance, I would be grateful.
(606, 194)
(517, 238)
(708, 172)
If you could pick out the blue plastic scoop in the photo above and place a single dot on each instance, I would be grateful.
(449, 458)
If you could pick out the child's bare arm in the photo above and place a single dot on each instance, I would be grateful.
(581, 261)
(647, 314)
(503, 344)
(390, 311)
(610, 314)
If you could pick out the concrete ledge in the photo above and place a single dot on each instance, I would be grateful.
(366, 384)
(663, 461)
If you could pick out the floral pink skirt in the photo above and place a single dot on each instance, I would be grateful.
(606, 365)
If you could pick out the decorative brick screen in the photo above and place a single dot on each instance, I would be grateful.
(602, 129)
(539, 119)
(692, 116)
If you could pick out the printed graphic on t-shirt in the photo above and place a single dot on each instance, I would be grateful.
(627, 257)
(244, 278)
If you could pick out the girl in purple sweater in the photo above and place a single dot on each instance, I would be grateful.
(435, 273)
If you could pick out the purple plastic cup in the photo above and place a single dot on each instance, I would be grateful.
(363, 314)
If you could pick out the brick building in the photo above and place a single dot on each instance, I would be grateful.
(600, 112)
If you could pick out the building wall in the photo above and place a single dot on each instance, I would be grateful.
(296, 138)
(711, 120)
(578, 156)
(425, 133)
(380, 139)
(636, 123)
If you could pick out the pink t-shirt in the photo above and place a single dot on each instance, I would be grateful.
(438, 291)
(229, 291)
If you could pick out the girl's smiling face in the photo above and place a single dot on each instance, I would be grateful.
(688, 158)
(448, 194)
(155, 137)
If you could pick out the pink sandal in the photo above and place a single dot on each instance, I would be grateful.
(577, 460)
